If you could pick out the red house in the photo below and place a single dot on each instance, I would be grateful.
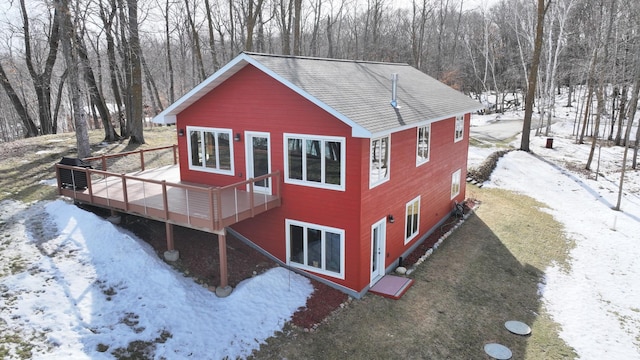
(372, 157)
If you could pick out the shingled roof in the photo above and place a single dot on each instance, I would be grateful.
(356, 92)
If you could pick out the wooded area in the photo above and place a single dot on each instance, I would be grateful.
(114, 64)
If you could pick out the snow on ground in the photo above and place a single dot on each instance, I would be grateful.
(597, 300)
(72, 284)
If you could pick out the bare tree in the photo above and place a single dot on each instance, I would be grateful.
(533, 75)
(30, 128)
(633, 105)
(73, 67)
(41, 78)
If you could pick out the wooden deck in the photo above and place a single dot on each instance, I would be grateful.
(158, 194)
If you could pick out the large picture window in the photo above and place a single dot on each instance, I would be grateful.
(317, 161)
(413, 219)
(459, 135)
(455, 183)
(424, 144)
(210, 150)
(316, 248)
(379, 156)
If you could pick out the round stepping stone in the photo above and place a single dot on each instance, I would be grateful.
(498, 351)
(518, 327)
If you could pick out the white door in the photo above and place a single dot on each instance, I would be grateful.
(378, 240)
(259, 159)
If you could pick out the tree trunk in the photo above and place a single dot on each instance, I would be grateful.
(167, 35)
(621, 114)
(96, 97)
(30, 128)
(255, 8)
(136, 120)
(533, 76)
(632, 105)
(601, 103)
(212, 42)
(151, 87)
(56, 110)
(196, 43)
(297, 21)
(73, 64)
(42, 80)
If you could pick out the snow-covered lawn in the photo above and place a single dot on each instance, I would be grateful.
(77, 287)
(597, 300)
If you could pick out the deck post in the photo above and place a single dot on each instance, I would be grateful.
(224, 289)
(175, 154)
(171, 254)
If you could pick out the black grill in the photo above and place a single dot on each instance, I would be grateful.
(73, 178)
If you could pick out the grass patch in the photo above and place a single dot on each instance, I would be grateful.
(504, 144)
(138, 349)
(487, 272)
(27, 162)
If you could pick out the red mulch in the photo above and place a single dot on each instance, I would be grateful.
(199, 259)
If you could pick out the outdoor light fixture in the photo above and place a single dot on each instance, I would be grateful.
(390, 218)
(181, 132)
(237, 137)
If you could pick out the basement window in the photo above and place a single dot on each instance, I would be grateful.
(315, 248)
(210, 150)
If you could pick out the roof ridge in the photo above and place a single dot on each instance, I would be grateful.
(323, 59)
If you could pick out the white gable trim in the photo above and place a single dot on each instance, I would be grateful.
(169, 115)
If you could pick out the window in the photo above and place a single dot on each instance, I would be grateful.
(210, 150)
(316, 248)
(459, 128)
(379, 160)
(317, 161)
(455, 183)
(424, 143)
(413, 219)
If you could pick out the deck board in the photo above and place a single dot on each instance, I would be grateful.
(189, 204)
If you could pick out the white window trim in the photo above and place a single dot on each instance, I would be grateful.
(456, 181)
(373, 184)
(420, 161)
(459, 120)
(203, 168)
(406, 221)
(303, 182)
(324, 229)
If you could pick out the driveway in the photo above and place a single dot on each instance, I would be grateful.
(499, 130)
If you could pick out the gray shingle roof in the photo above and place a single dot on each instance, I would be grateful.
(357, 92)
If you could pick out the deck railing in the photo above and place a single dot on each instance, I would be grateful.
(145, 193)
(125, 161)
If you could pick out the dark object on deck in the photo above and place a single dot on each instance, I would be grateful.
(73, 178)
(549, 143)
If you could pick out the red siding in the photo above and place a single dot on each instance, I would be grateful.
(253, 101)
(431, 181)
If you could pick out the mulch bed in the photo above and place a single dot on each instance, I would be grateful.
(199, 259)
